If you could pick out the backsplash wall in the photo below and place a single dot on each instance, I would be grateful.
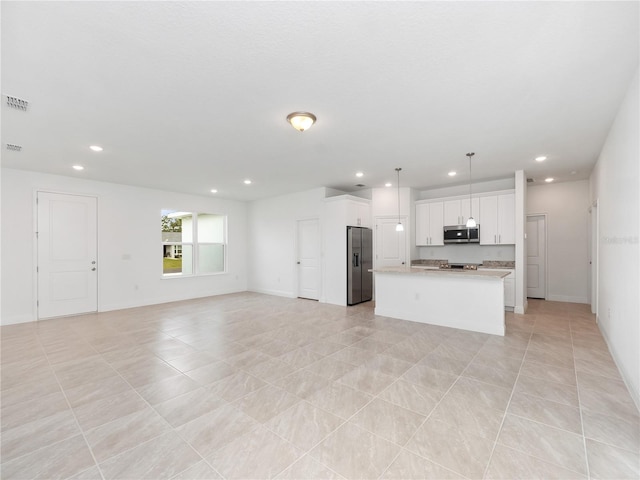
(469, 253)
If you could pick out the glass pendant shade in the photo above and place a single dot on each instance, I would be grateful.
(471, 223)
(399, 227)
(301, 121)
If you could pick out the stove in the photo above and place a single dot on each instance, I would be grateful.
(458, 266)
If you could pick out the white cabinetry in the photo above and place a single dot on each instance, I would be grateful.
(509, 286)
(339, 213)
(498, 225)
(358, 214)
(429, 223)
(456, 211)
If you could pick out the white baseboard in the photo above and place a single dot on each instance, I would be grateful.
(635, 395)
(277, 293)
(567, 298)
(145, 302)
(13, 320)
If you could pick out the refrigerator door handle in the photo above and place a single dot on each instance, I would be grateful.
(356, 260)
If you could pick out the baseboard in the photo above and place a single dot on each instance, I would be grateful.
(568, 299)
(146, 302)
(635, 395)
(277, 293)
(518, 309)
(13, 320)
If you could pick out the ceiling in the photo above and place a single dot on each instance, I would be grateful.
(190, 96)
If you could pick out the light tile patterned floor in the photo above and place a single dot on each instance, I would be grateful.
(253, 386)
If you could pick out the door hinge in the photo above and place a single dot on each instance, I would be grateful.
(37, 303)
(37, 235)
(37, 269)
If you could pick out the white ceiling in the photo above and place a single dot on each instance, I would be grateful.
(192, 96)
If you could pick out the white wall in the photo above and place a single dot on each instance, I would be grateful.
(615, 184)
(566, 205)
(272, 239)
(521, 241)
(472, 253)
(463, 189)
(129, 249)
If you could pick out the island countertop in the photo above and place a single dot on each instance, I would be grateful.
(407, 270)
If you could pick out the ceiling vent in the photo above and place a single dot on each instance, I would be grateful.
(530, 180)
(360, 185)
(13, 147)
(19, 103)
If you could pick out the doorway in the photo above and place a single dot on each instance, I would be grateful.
(593, 257)
(66, 245)
(390, 246)
(537, 256)
(308, 262)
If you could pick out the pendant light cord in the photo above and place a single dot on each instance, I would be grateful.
(470, 184)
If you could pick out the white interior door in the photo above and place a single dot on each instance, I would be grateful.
(593, 254)
(309, 259)
(536, 256)
(391, 247)
(67, 254)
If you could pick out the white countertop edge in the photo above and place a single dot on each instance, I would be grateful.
(458, 273)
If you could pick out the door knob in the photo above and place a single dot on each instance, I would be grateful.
(93, 269)
(298, 263)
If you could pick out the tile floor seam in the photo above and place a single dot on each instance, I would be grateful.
(75, 418)
(175, 431)
(584, 438)
(506, 410)
(403, 447)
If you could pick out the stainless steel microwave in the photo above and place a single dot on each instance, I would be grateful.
(461, 234)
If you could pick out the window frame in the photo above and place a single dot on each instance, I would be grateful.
(195, 247)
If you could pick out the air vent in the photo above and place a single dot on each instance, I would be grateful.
(360, 185)
(12, 147)
(19, 103)
(529, 180)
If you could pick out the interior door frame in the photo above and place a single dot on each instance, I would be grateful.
(546, 254)
(594, 253)
(296, 270)
(34, 269)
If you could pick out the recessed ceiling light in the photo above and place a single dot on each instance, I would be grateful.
(388, 184)
(96, 148)
(541, 159)
(78, 167)
(359, 174)
(452, 173)
(213, 190)
(549, 179)
(247, 182)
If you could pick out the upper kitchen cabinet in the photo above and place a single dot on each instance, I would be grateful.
(358, 214)
(457, 212)
(498, 226)
(429, 223)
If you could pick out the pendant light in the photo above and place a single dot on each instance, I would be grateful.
(471, 223)
(399, 227)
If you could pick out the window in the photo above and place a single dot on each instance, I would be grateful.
(193, 243)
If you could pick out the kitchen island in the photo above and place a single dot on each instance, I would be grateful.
(467, 299)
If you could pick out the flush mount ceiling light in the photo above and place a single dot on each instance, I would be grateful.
(388, 184)
(96, 148)
(549, 179)
(78, 167)
(213, 190)
(301, 121)
(247, 182)
(452, 173)
(359, 174)
(541, 159)
(471, 223)
(399, 227)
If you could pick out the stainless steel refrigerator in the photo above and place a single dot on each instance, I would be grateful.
(359, 262)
